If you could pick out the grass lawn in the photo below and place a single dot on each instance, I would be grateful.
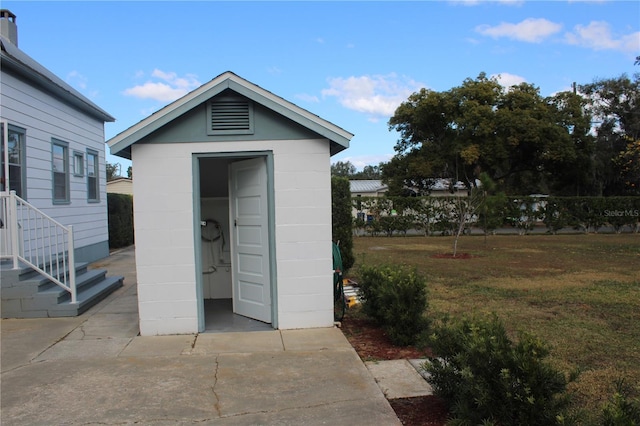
(579, 293)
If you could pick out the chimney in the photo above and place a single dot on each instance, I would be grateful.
(8, 26)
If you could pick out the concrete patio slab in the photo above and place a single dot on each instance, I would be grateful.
(102, 326)
(398, 379)
(240, 342)
(83, 370)
(417, 364)
(24, 339)
(82, 349)
(315, 339)
(321, 379)
(110, 391)
(152, 346)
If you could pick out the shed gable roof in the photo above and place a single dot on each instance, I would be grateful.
(339, 138)
(15, 59)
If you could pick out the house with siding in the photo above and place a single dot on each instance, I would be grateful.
(232, 206)
(120, 186)
(365, 188)
(52, 178)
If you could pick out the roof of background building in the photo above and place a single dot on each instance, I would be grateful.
(372, 185)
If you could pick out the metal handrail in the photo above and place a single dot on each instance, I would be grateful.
(39, 241)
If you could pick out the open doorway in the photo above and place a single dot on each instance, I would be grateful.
(234, 244)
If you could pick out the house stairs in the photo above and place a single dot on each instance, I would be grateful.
(28, 294)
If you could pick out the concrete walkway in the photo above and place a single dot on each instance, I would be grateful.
(95, 369)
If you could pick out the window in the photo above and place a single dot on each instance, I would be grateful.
(78, 164)
(60, 160)
(16, 150)
(93, 182)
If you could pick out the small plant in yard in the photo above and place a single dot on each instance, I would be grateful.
(396, 298)
(621, 409)
(488, 379)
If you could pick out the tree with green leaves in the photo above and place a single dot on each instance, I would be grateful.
(571, 113)
(369, 172)
(113, 171)
(342, 220)
(519, 138)
(348, 170)
(343, 169)
(615, 104)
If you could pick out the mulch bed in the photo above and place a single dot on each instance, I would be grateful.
(371, 343)
(421, 411)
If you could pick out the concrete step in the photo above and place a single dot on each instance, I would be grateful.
(84, 281)
(87, 297)
(31, 295)
(400, 378)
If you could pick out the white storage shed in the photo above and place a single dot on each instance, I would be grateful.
(232, 201)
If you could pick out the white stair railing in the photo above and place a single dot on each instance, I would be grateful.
(30, 236)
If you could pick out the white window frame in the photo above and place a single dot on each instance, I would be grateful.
(78, 164)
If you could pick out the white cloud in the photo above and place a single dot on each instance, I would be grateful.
(531, 30)
(507, 80)
(597, 35)
(360, 161)
(76, 79)
(169, 89)
(376, 95)
(80, 82)
(307, 98)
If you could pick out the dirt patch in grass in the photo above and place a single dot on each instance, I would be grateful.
(460, 256)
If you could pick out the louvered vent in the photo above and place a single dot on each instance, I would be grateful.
(230, 116)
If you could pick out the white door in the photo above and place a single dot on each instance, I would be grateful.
(250, 239)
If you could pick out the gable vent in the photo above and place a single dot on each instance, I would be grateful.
(230, 116)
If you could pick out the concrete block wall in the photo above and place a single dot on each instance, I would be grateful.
(302, 177)
(165, 254)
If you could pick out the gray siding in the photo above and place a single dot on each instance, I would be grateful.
(44, 117)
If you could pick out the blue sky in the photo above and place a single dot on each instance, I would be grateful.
(352, 63)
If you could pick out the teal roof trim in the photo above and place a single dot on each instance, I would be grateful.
(121, 143)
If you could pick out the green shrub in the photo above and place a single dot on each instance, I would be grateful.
(487, 378)
(554, 215)
(492, 212)
(621, 409)
(120, 216)
(341, 219)
(396, 298)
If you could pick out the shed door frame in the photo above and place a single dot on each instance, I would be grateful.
(240, 155)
